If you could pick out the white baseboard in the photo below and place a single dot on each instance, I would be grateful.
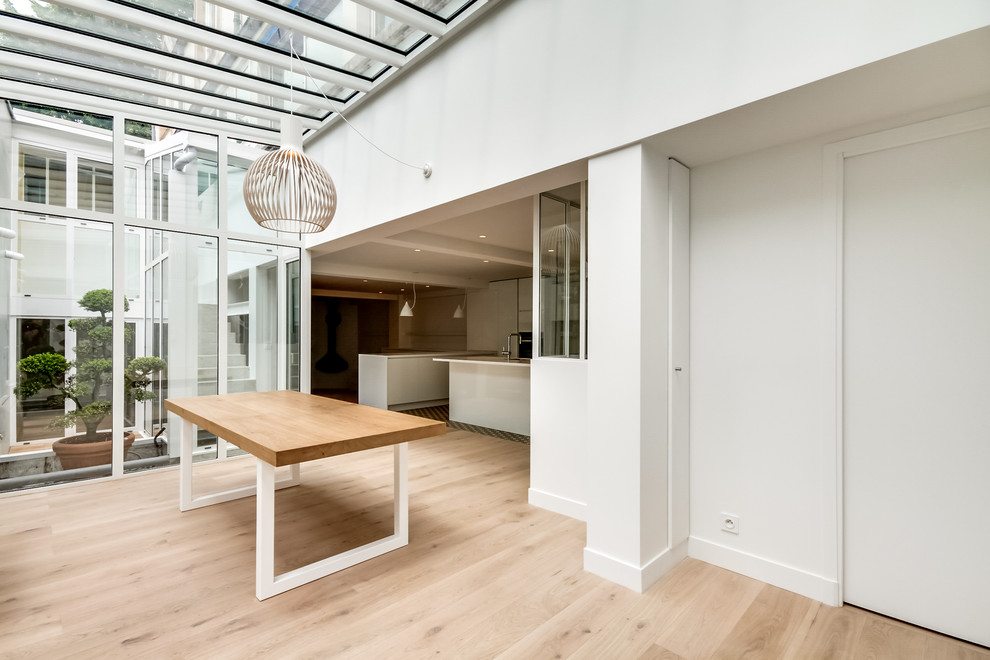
(637, 578)
(558, 504)
(780, 575)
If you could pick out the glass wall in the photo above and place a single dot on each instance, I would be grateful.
(188, 329)
(177, 328)
(64, 158)
(61, 312)
(562, 276)
(293, 295)
(258, 317)
(240, 155)
(175, 175)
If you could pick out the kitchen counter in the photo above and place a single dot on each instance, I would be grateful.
(491, 359)
(400, 381)
(489, 391)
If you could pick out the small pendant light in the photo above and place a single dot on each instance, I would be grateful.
(406, 309)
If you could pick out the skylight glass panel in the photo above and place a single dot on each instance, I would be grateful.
(189, 50)
(360, 20)
(312, 106)
(108, 91)
(443, 9)
(246, 26)
(238, 60)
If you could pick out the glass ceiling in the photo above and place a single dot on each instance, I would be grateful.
(247, 61)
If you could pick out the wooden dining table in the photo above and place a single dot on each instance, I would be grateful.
(287, 428)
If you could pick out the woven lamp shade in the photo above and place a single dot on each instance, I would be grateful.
(286, 191)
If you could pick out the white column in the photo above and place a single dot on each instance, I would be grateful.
(629, 503)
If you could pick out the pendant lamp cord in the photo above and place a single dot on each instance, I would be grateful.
(426, 169)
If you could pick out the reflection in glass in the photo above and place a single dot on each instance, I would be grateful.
(176, 323)
(94, 185)
(64, 145)
(37, 336)
(256, 307)
(179, 181)
(42, 175)
(293, 292)
(62, 314)
(560, 277)
(44, 244)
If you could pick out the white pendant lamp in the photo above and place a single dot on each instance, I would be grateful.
(459, 312)
(406, 309)
(286, 191)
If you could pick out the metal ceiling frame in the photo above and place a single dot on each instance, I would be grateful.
(235, 95)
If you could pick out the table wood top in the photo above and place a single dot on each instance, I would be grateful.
(287, 427)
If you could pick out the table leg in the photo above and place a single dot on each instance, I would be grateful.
(268, 584)
(187, 501)
(264, 582)
(400, 473)
(186, 433)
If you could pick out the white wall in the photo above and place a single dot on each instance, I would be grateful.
(761, 272)
(558, 456)
(432, 325)
(760, 278)
(484, 114)
(481, 314)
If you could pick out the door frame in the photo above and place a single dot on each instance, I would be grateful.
(833, 170)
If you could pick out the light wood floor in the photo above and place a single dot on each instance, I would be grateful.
(113, 569)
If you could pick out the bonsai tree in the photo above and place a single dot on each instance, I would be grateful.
(89, 388)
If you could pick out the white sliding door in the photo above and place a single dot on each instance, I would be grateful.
(917, 383)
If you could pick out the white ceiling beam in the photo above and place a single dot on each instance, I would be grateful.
(157, 60)
(212, 40)
(92, 76)
(439, 244)
(314, 29)
(331, 269)
(364, 295)
(24, 91)
(407, 15)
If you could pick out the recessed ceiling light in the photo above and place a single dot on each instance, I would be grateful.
(365, 280)
(485, 261)
(427, 286)
(550, 250)
(482, 236)
(417, 250)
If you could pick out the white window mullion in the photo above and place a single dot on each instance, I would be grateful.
(71, 181)
(281, 331)
(305, 320)
(119, 295)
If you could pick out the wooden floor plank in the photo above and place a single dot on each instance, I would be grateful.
(112, 569)
(656, 652)
(769, 627)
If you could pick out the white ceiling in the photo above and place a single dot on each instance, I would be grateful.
(449, 253)
(947, 76)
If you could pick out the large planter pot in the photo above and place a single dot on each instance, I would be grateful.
(75, 452)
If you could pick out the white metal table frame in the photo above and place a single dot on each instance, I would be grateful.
(267, 583)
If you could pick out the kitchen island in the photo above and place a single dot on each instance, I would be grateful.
(404, 380)
(489, 391)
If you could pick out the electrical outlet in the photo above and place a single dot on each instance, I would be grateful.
(730, 523)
